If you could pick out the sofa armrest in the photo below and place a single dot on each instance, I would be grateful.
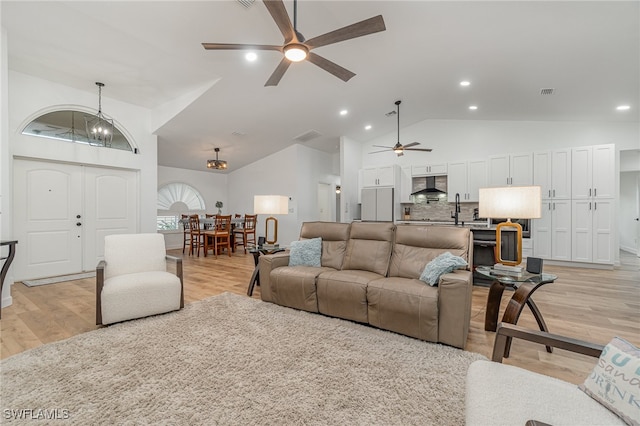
(99, 285)
(266, 264)
(178, 262)
(506, 331)
(454, 306)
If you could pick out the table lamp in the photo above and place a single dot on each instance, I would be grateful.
(271, 204)
(520, 202)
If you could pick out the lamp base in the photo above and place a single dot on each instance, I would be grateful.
(498, 253)
(268, 240)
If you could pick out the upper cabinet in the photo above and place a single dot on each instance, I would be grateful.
(511, 169)
(429, 170)
(552, 172)
(466, 178)
(379, 176)
(593, 172)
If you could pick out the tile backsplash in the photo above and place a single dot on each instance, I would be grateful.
(435, 206)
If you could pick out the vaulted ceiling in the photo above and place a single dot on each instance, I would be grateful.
(149, 53)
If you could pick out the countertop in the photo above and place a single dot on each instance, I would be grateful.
(472, 224)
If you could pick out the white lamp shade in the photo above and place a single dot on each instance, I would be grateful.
(507, 202)
(270, 204)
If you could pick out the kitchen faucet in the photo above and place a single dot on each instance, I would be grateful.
(457, 209)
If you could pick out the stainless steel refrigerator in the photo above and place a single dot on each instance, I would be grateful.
(377, 204)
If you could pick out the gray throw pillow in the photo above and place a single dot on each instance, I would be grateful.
(306, 252)
(442, 264)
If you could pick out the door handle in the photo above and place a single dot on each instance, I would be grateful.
(78, 217)
(78, 224)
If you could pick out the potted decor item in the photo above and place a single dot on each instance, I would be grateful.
(219, 206)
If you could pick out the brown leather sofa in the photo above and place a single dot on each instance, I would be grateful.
(369, 274)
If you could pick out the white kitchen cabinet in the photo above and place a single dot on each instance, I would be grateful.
(466, 178)
(378, 204)
(429, 170)
(592, 234)
(511, 169)
(406, 184)
(379, 176)
(552, 172)
(593, 172)
(551, 233)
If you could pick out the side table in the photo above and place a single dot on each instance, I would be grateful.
(7, 262)
(256, 251)
(524, 286)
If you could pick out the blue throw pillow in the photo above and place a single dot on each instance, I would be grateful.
(442, 264)
(306, 252)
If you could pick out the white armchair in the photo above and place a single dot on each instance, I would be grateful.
(133, 282)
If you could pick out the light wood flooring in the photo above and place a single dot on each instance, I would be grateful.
(588, 304)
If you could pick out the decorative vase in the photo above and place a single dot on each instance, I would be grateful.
(219, 211)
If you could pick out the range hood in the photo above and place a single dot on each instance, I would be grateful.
(434, 185)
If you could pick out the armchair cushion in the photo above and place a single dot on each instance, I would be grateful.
(130, 253)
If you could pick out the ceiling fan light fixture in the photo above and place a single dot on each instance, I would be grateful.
(217, 164)
(296, 52)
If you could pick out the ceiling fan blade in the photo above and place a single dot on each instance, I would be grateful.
(359, 29)
(376, 152)
(278, 73)
(409, 145)
(419, 149)
(382, 146)
(230, 46)
(281, 17)
(331, 67)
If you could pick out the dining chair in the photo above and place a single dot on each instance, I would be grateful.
(246, 234)
(186, 231)
(209, 225)
(222, 234)
(197, 237)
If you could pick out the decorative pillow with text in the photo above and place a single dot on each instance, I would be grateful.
(306, 252)
(615, 380)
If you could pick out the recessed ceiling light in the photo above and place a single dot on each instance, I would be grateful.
(367, 127)
(251, 56)
(473, 107)
(344, 112)
(623, 108)
(465, 83)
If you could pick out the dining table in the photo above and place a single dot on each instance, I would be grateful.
(207, 223)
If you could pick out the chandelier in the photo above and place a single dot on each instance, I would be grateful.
(216, 164)
(99, 128)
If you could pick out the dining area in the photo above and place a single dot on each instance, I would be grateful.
(217, 233)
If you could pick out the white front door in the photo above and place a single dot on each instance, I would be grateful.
(62, 212)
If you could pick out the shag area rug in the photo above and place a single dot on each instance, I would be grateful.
(231, 359)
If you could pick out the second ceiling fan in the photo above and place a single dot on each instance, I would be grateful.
(296, 48)
(398, 148)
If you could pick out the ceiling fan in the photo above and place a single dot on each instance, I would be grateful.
(296, 48)
(398, 148)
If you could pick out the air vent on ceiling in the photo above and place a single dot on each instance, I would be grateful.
(246, 3)
(548, 91)
(238, 134)
(307, 136)
(391, 113)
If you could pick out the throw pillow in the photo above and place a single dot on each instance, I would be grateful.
(442, 264)
(615, 380)
(306, 252)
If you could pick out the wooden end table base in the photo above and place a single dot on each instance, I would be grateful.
(520, 298)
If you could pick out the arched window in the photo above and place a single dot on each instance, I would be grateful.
(70, 126)
(175, 199)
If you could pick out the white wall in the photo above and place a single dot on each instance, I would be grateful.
(5, 230)
(211, 185)
(351, 162)
(294, 172)
(629, 211)
(471, 139)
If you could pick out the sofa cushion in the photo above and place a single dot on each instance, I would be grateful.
(615, 380)
(405, 306)
(415, 246)
(444, 263)
(305, 252)
(295, 286)
(334, 240)
(369, 247)
(343, 294)
(522, 395)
